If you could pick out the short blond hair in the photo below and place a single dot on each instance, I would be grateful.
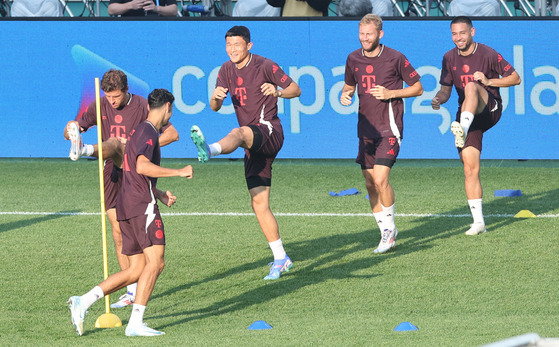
(370, 18)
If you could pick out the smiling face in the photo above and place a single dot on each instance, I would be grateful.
(370, 36)
(238, 50)
(463, 37)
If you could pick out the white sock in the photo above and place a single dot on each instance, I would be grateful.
(380, 217)
(87, 150)
(93, 295)
(277, 249)
(466, 119)
(215, 149)
(137, 315)
(476, 210)
(131, 288)
(389, 217)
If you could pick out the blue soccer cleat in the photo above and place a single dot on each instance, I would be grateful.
(200, 142)
(387, 241)
(77, 311)
(278, 267)
(141, 330)
(124, 300)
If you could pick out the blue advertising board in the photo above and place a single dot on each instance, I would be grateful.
(48, 71)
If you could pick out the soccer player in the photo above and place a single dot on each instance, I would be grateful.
(474, 69)
(143, 232)
(252, 81)
(121, 112)
(378, 72)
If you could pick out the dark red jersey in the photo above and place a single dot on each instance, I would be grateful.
(137, 194)
(458, 70)
(251, 105)
(379, 118)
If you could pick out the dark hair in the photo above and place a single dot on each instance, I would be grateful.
(462, 19)
(239, 30)
(114, 80)
(159, 97)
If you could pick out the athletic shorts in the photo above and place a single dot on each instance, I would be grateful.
(259, 158)
(139, 233)
(484, 121)
(113, 180)
(379, 151)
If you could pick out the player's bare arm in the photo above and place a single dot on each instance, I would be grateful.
(292, 91)
(168, 136)
(382, 93)
(145, 167)
(511, 80)
(441, 97)
(217, 98)
(347, 95)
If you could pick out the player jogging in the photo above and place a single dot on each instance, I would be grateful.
(143, 232)
(475, 70)
(121, 112)
(379, 72)
(252, 81)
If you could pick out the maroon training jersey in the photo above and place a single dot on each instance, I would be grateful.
(459, 70)
(251, 105)
(137, 195)
(389, 69)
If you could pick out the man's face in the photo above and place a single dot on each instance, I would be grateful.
(237, 49)
(462, 36)
(168, 114)
(117, 98)
(369, 37)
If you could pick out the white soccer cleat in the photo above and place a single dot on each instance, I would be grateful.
(141, 330)
(387, 241)
(476, 228)
(124, 300)
(459, 134)
(77, 311)
(75, 137)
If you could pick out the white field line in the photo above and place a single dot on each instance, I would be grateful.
(279, 214)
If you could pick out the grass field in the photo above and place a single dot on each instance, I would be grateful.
(458, 290)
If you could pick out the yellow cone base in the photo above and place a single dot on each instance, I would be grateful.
(524, 214)
(108, 320)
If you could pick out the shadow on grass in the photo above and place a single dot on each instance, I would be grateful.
(23, 223)
(324, 255)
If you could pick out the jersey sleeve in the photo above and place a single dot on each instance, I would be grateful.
(145, 143)
(446, 76)
(276, 75)
(349, 76)
(502, 67)
(89, 117)
(409, 75)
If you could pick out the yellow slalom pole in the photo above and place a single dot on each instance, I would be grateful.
(106, 320)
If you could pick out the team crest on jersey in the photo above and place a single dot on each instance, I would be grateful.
(466, 68)
(240, 81)
(118, 118)
(369, 69)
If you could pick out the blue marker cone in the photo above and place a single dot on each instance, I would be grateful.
(259, 325)
(406, 326)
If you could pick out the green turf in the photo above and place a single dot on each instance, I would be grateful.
(458, 290)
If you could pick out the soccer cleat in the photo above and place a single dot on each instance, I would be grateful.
(459, 134)
(124, 300)
(278, 267)
(77, 311)
(141, 330)
(75, 137)
(200, 142)
(387, 241)
(476, 228)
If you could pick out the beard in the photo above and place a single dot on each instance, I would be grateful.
(374, 45)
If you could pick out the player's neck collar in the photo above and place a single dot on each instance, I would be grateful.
(378, 55)
(473, 52)
(153, 126)
(248, 62)
(129, 99)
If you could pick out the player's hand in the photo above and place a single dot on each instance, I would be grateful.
(268, 89)
(149, 6)
(168, 199)
(345, 98)
(220, 93)
(380, 92)
(138, 4)
(480, 76)
(436, 103)
(186, 172)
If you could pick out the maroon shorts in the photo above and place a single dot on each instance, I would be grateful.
(484, 121)
(113, 180)
(139, 233)
(379, 151)
(259, 158)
